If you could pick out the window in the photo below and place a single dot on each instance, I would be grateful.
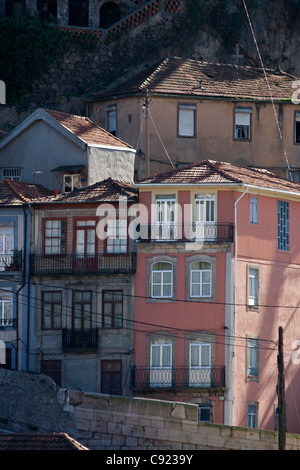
(297, 128)
(253, 355)
(253, 210)
(12, 174)
(116, 236)
(204, 413)
(253, 287)
(165, 217)
(186, 120)
(6, 309)
(200, 364)
(162, 282)
(283, 225)
(252, 418)
(54, 236)
(71, 182)
(51, 310)
(201, 275)
(82, 310)
(277, 417)
(161, 365)
(112, 119)
(242, 124)
(111, 377)
(112, 302)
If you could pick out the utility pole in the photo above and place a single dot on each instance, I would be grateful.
(147, 153)
(281, 392)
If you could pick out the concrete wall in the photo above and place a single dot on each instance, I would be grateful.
(31, 402)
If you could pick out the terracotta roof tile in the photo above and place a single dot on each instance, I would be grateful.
(60, 441)
(18, 192)
(187, 77)
(213, 172)
(86, 129)
(108, 190)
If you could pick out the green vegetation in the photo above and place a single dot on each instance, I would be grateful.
(27, 48)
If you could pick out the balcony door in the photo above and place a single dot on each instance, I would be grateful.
(6, 246)
(161, 365)
(200, 365)
(205, 226)
(85, 247)
(165, 218)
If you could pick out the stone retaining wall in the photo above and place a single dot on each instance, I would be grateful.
(34, 403)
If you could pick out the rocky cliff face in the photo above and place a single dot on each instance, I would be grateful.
(276, 29)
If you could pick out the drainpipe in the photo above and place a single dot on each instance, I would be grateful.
(21, 287)
(234, 307)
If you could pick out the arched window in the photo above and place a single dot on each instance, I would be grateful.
(109, 14)
(162, 279)
(79, 13)
(201, 275)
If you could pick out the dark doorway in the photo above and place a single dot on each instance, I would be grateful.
(79, 13)
(111, 377)
(109, 14)
(53, 369)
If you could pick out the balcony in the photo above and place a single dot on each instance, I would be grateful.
(11, 261)
(196, 232)
(178, 378)
(80, 340)
(75, 264)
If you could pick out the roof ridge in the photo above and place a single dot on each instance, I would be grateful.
(11, 184)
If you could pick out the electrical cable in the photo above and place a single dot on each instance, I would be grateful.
(268, 84)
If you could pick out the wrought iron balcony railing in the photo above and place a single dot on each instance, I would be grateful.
(178, 378)
(11, 261)
(196, 232)
(8, 323)
(75, 264)
(74, 339)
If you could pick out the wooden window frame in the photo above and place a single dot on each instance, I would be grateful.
(113, 316)
(46, 219)
(52, 303)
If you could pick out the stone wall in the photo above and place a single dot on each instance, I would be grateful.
(30, 402)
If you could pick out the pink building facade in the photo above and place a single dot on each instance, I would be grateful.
(218, 265)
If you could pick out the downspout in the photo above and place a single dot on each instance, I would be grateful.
(234, 307)
(21, 287)
(28, 289)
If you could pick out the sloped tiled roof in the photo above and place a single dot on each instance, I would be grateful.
(188, 77)
(86, 129)
(211, 172)
(30, 441)
(108, 190)
(18, 192)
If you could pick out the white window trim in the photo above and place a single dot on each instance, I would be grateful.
(253, 210)
(161, 283)
(187, 129)
(201, 271)
(252, 300)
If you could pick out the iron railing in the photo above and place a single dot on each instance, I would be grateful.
(76, 339)
(196, 232)
(178, 377)
(75, 264)
(8, 323)
(11, 261)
